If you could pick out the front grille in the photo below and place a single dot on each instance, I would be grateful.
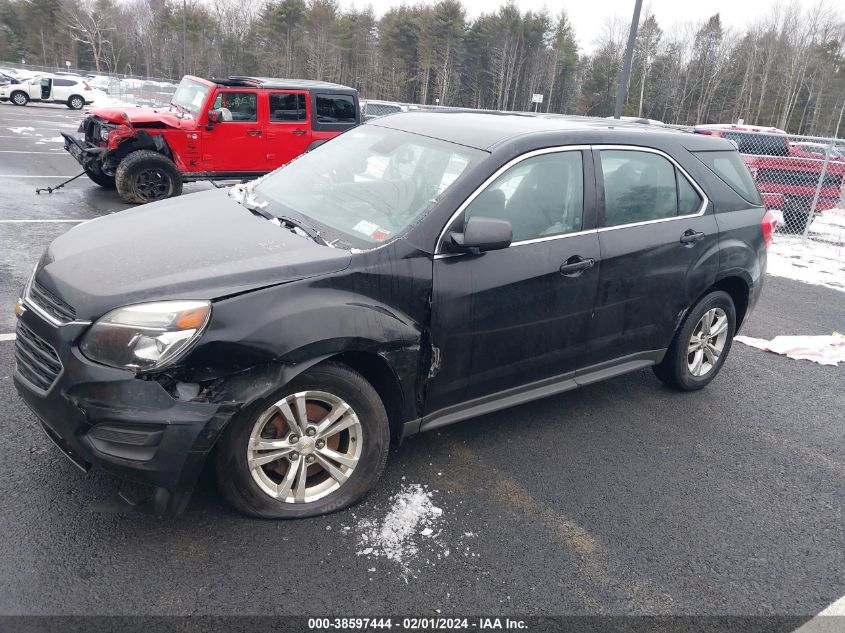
(92, 131)
(36, 359)
(50, 303)
(798, 178)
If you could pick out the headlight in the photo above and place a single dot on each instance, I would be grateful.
(146, 336)
(104, 134)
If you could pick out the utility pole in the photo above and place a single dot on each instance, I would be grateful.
(622, 88)
(185, 37)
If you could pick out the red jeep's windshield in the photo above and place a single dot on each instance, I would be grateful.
(190, 95)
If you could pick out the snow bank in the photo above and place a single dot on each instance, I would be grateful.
(103, 100)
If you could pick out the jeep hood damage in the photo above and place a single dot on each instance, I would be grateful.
(161, 251)
(145, 117)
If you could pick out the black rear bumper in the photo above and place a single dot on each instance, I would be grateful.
(98, 415)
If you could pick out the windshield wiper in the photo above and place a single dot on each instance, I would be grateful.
(313, 233)
(258, 208)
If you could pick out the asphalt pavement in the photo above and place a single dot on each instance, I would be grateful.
(620, 498)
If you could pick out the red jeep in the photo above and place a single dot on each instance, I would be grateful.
(786, 174)
(235, 128)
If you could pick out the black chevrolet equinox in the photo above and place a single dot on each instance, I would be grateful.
(413, 272)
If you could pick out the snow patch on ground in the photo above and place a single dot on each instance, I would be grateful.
(818, 260)
(52, 139)
(409, 532)
(27, 131)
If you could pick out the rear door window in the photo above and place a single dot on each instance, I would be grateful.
(286, 107)
(730, 167)
(644, 186)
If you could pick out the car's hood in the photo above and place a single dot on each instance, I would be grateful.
(200, 246)
(145, 117)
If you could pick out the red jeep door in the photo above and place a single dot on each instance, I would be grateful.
(288, 127)
(235, 143)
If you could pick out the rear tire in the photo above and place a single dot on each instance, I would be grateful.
(19, 98)
(361, 448)
(104, 180)
(690, 364)
(76, 102)
(147, 176)
(796, 215)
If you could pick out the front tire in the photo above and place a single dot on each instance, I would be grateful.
(76, 102)
(701, 345)
(104, 180)
(147, 176)
(19, 98)
(316, 446)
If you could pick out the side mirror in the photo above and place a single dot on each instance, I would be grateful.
(483, 234)
(214, 117)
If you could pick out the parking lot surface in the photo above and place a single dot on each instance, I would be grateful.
(620, 498)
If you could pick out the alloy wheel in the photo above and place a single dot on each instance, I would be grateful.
(152, 184)
(707, 342)
(305, 446)
(76, 103)
(19, 98)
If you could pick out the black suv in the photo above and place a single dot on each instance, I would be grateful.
(415, 271)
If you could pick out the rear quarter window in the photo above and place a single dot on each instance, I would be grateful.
(731, 169)
(335, 109)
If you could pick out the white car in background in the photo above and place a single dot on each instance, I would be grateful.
(74, 92)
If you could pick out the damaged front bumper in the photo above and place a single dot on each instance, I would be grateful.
(133, 428)
(92, 159)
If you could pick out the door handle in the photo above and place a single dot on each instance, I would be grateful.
(690, 237)
(575, 265)
(300, 132)
(254, 132)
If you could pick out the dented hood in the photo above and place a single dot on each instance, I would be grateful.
(199, 246)
(146, 117)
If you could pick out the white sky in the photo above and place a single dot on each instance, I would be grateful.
(588, 16)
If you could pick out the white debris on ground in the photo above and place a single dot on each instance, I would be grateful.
(52, 139)
(818, 260)
(824, 350)
(408, 531)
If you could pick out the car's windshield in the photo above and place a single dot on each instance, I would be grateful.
(190, 95)
(369, 183)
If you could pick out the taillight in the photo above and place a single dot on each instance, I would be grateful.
(87, 87)
(769, 225)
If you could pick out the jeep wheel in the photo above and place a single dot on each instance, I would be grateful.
(701, 345)
(796, 215)
(147, 176)
(76, 102)
(104, 180)
(318, 445)
(19, 98)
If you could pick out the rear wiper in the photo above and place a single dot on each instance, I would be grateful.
(314, 234)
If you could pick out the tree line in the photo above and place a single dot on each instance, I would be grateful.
(786, 69)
